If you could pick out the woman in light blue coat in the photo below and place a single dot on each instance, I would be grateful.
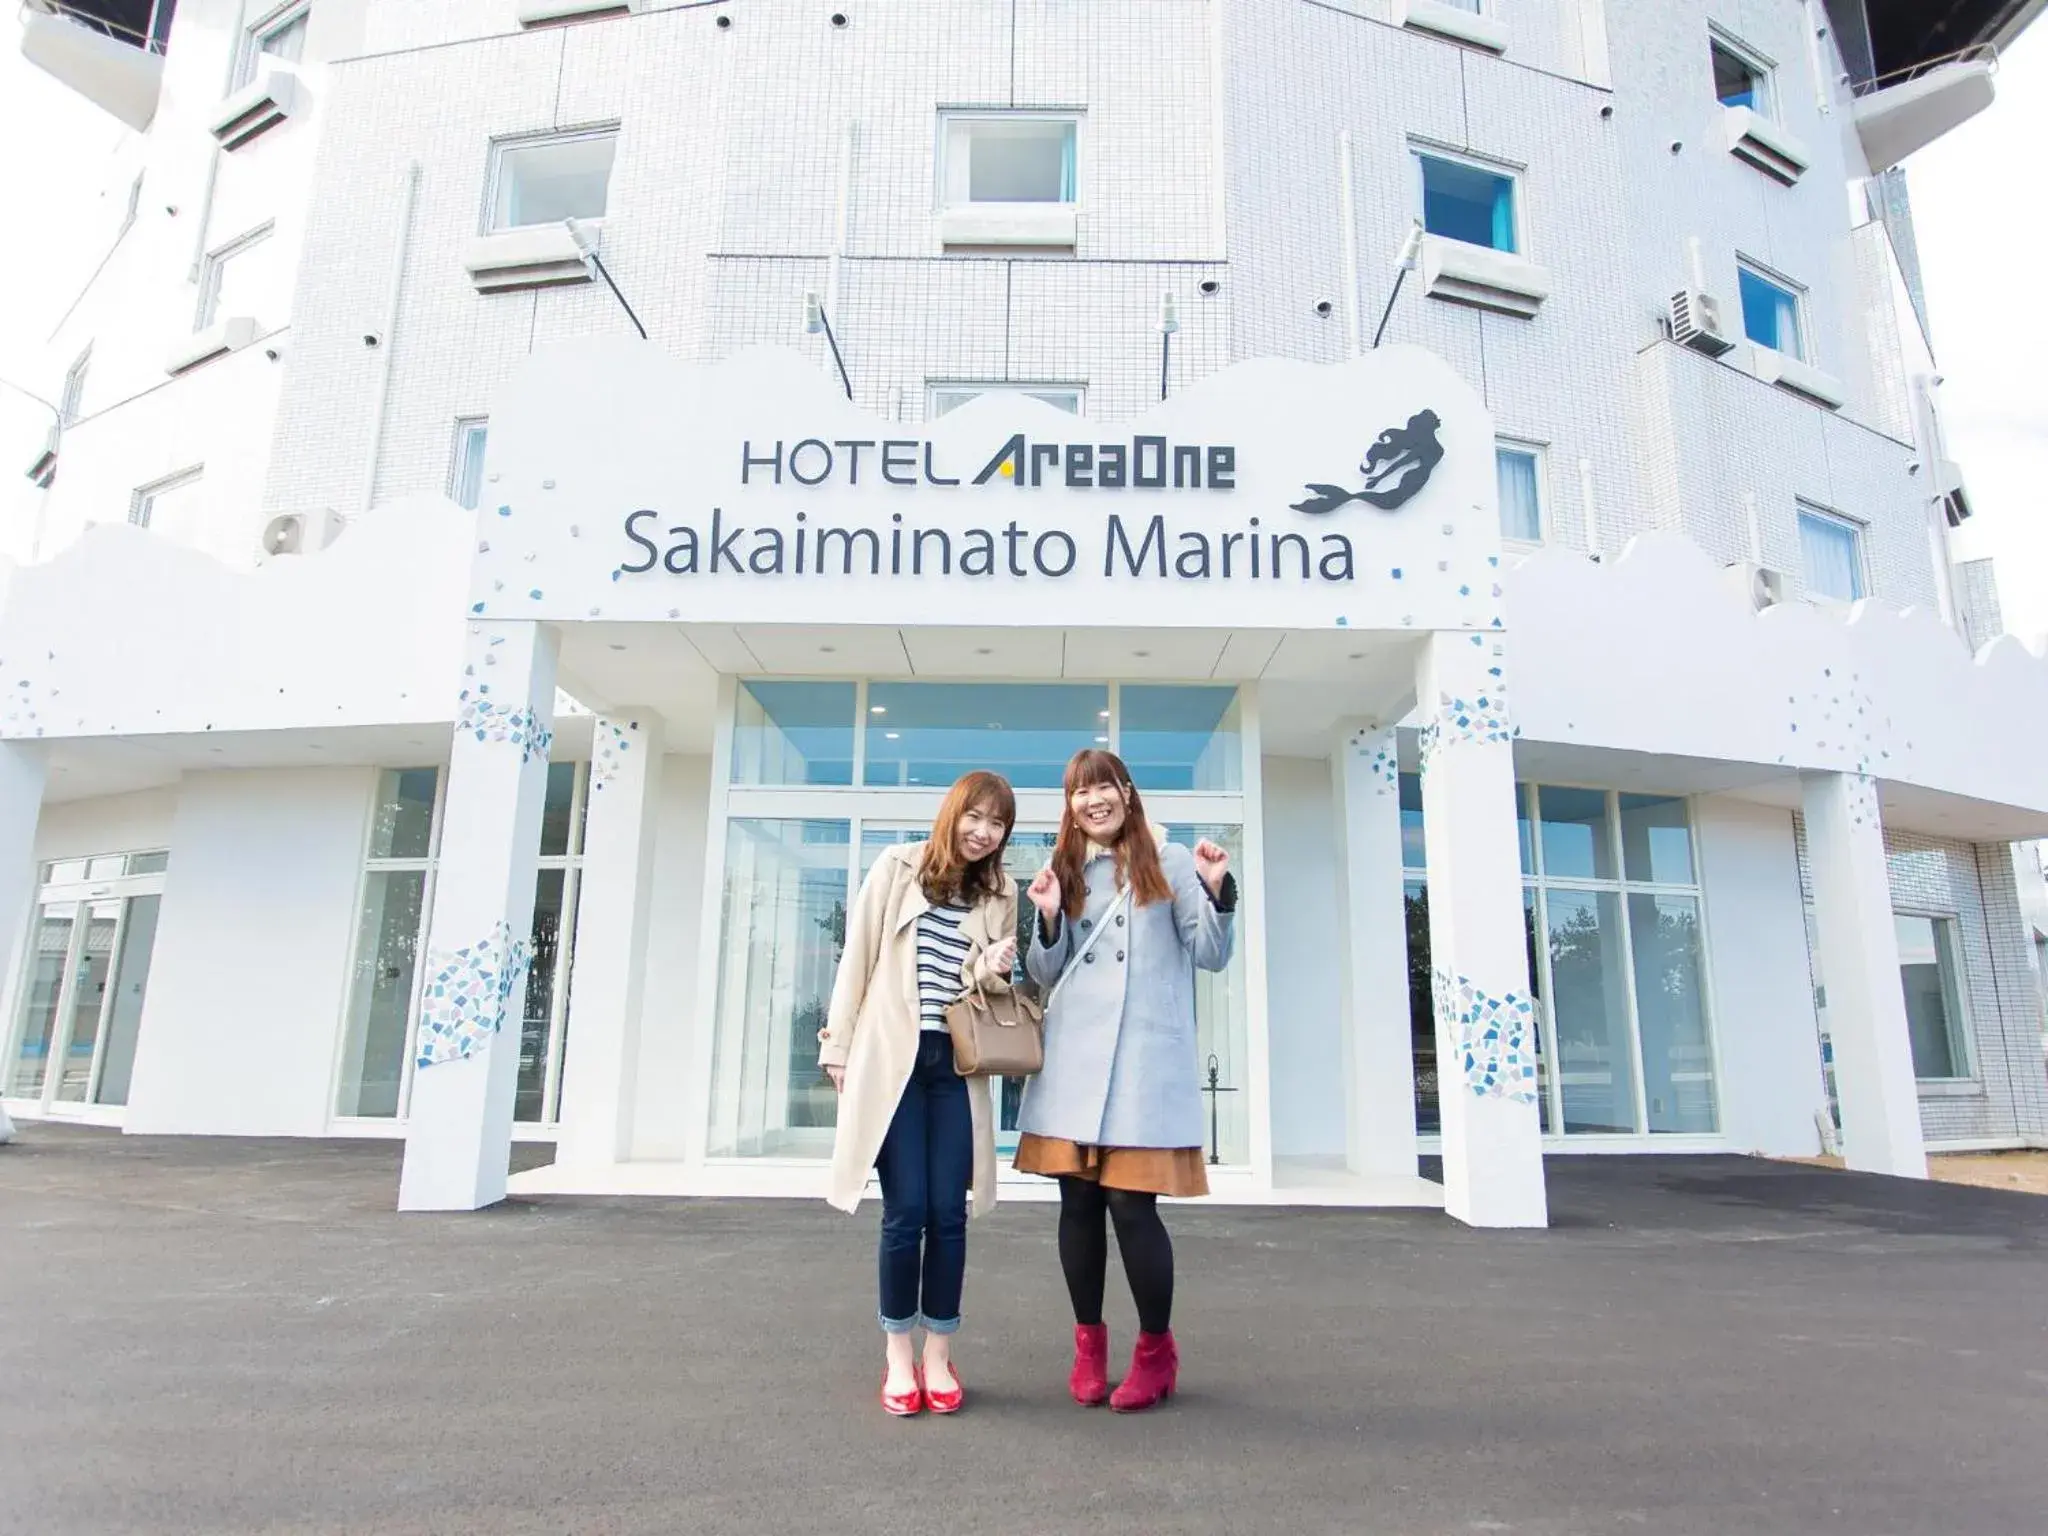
(1124, 919)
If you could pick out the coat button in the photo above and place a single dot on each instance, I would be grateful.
(1089, 922)
(1119, 955)
(1089, 958)
(1119, 919)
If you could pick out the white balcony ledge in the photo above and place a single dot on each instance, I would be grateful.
(1460, 26)
(1903, 118)
(544, 256)
(217, 340)
(1788, 372)
(257, 107)
(1484, 279)
(1765, 145)
(1044, 225)
(116, 76)
(543, 13)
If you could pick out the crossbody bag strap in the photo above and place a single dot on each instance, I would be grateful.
(1074, 964)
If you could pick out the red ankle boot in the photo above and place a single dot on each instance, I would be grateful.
(1090, 1379)
(1154, 1372)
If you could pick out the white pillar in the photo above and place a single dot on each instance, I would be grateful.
(1486, 1033)
(458, 1140)
(611, 939)
(24, 770)
(1379, 1054)
(1859, 965)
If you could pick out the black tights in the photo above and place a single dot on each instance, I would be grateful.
(1140, 1237)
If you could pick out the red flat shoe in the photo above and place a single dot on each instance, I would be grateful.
(945, 1402)
(904, 1405)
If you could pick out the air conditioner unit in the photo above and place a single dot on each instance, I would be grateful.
(1696, 322)
(1763, 586)
(300, 533)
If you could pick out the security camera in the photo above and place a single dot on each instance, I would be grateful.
(1324, 307)
(1207, 286)
(723, 22)
(171, 209)
(1607, 109)
(1912, 466)
(372, 339)
(1677, 145)
(274, 351)
(839, 18)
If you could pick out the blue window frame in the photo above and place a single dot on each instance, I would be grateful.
(1462, 201)
(1740, 79)
(1770, 313)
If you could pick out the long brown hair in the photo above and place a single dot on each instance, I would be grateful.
(942, 874)
(1137, 856)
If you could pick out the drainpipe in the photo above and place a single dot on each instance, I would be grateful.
(388, 335)
(1347, 214)
(842, 220)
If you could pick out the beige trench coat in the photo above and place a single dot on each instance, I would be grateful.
(872, 1029)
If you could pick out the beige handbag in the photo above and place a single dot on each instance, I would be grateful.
(999, 1034)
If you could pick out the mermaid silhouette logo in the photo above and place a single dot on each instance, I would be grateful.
(1397, 465)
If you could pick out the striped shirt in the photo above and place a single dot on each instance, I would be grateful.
(941, 952)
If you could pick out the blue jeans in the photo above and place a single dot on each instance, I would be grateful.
(926, 1164)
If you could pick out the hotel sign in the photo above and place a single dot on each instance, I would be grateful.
(624, 485)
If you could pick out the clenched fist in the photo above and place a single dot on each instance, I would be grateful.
(1001, 957)
(1212, 863)
(1044, 892)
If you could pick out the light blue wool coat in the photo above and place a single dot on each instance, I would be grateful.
(1121, 1061)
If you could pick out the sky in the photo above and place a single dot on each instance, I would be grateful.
(1979, 227)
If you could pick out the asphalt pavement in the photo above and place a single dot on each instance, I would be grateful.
(225, 1337)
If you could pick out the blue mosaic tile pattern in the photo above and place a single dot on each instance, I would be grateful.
(1382, 760)
(1483, 719)
(469, 992)
(491, 721)
(1494, 1037)
(614, 741)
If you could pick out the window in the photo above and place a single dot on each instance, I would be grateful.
(1462, 200)
(1770, 312)
(1611, 908)
(229, 281)
(1519, 468)
(547, 180)
(164, 503)
(826, 774)
(73, 398)
(941, 398)
(466, 471)
(928, 734)
(1830, 555)
(391, 934)
(85, 975)
(1930, 974)
(1012, 157)
(281, 35)
(1741, 79)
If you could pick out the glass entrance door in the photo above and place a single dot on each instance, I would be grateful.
(80, 1010)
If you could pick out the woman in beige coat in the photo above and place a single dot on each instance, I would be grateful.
(931, 920)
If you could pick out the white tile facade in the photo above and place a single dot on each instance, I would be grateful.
(1208, 150)
(2007, 1096)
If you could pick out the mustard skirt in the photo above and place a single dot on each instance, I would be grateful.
(1178, 1172)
